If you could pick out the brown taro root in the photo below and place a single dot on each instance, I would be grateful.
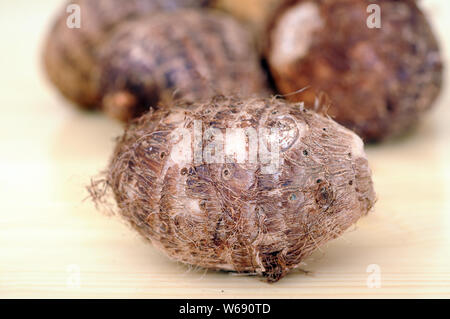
(188, 54)
(381, 79)
(70, 53)
(224, 201)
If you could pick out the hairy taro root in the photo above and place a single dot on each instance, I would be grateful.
(188, 54)
(381, 79)
(70, 54)
(235, 214)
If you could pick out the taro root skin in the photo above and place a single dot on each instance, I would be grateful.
(231, 216)
(188, 54)
(381, 80)
(70, 53)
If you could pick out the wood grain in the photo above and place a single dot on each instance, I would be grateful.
(48, 232)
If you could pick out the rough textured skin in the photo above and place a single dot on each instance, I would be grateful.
(204, 53)
(70, 54)
(381, 80)
(232, 216)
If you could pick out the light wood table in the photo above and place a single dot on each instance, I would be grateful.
(51, 239)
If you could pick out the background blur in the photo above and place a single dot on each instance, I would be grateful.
(53, 242)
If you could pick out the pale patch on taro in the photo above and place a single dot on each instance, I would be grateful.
(193, 208)
(292, 36)
(356, 144)
(357, 147)
(181, 139)
(175, 117)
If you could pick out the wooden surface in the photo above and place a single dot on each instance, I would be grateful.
(51, 240)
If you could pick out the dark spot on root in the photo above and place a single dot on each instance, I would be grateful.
(162, 155)
(324, 195)
(275, 267)
(163, 228)
(350, 183)
(184, 171)
(216, 237)
(318, 181)
(226, 174)
(390, 106)
(287, 183)
(305, 152)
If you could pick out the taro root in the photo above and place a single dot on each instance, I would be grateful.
(70, 53)
(188, 54)
(251, 186)
(381, 80)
